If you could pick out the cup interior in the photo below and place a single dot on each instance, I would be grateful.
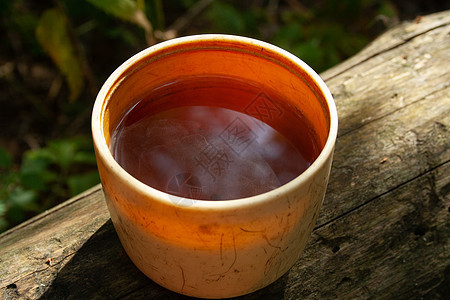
(246, 60)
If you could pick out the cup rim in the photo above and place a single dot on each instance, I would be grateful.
(113, 166)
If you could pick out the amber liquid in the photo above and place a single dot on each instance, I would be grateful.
(213, 138)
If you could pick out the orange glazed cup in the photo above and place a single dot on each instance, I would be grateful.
(203, 248)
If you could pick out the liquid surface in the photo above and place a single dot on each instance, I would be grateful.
(188, 139)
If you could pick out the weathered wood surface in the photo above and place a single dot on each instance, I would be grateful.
(383, 231)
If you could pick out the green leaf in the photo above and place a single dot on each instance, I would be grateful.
(35, 169)
(5, 159)
(80, 183)
(39, 182)
(19, 202)
(85, 157)
(53, 35)
(22, 198)
(123, 9)
(126, 10)
(64, 151)
(226, 18)
(70, 151)
(310, 52)
(2, 208)
(288, 35)
(35, 161)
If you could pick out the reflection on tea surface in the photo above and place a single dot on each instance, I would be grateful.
(171, 142)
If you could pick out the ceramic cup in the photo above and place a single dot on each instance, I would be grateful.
(214, 249)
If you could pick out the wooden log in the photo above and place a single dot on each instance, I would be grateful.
(383, 231)
(384, 154)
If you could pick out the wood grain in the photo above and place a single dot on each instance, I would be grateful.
(383, 231)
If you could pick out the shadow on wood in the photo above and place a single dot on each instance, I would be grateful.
(89, 275)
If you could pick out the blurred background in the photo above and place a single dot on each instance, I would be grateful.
(55, 55)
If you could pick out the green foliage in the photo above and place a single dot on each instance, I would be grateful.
(62, 169)
(52, 33)
(124, 9)
(322, 33)
(127, 10)
(226, 18)
(56, 35)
